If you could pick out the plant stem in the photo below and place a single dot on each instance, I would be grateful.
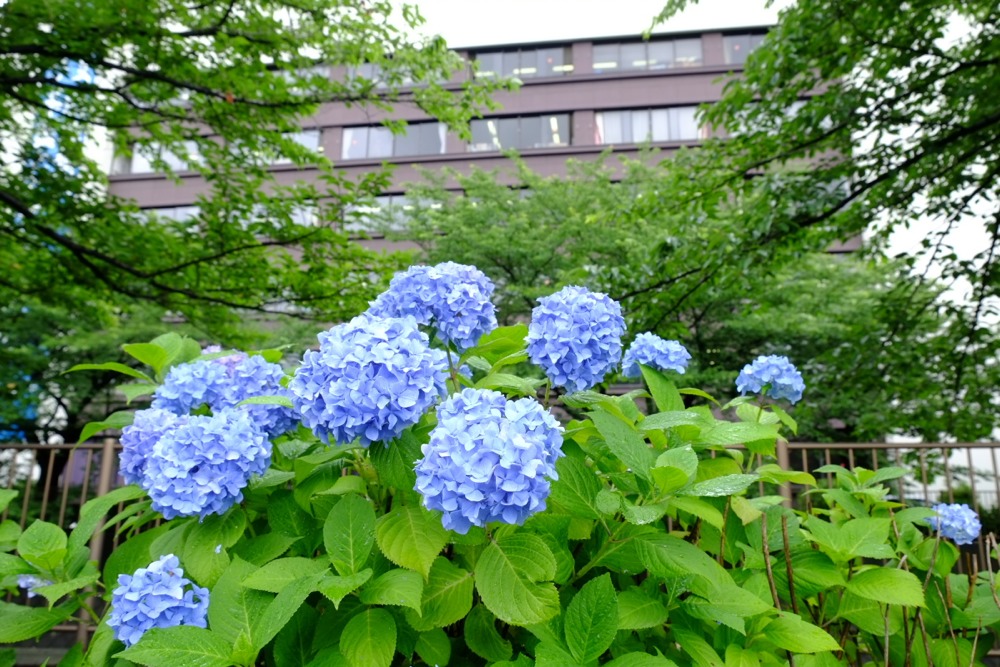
(788, 563)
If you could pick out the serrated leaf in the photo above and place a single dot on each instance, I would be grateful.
(233, 609)
(510, 383)
(394, 462)
(592, 619)
(281, 610)
(53, 592)
(180, 645)
(889, 586)
(149, 354)
(513, 577)
(369, 639)
(337, 588)
(434, 647)
(794, 634)
(276, 575)
(866, 538)
(283, 401)
(397, 587)
(640, 660)
(18, 623)
(624, 442)
(726, 485)
(700, 508)
(43, 544)
(700, 651)
(446, 599)
(349, 533)
(411, 537)
(664, 391)
(637, 610)
(576, 489)
(667, 556)
(736, 433)
(482, 638)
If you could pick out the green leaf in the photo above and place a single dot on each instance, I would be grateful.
(664, 392)
(696, 647)
(53, 592)
(72, 658)
(725, 485)
(337, 588)
(446, 599)
(482, 638)
(275, 576)
(510, 383)
(411, 537)
(283, 401)
(785, 418)
(592, 619)
(132, 391)
(233, 609)
(113, 366)
(200, 558)
(95, 509)
(180, 645)
(866, 538)
(293, 647)
(512, 575)
(889, 586)
(18, 623)
(150, 354)
(674, 468)
(349, 533)
(793, 634)
(369, 639)
(397, 587)
(576, 489)
(394, 462)
(7, 495)
(117, 420)
(624, 442)
(11, 565)
(271, 478)
(723, 433)
(638, 610)
(263, 548)
(667, 556)
(774, 474)
(500, 343)
(640, 660)
(43, 544)
(434, 647)
(699, 508)
(281, 610)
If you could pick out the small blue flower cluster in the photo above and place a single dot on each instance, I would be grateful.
(959, 523)
(158, 596)
(454, 298)
(138, 439)
(371, 378)
(30, 582)
(776, 373)
(575, 336)
(488, 459)
(224, 382)
(650, 350)
(201, 464)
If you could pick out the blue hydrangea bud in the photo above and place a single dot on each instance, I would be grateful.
(488, 459)
(30, 582)
(158, 596)
(959, 523)
(774, 372)
(650, 350)
(138, 439)
(575, 336)
(370, 379)
(202, 464)
(453, 298)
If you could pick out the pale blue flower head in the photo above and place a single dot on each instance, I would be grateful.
(453, 298)
(190, 386)
(201, 466)
(29, 582)
(157, 596)
(488, 459)
(371, 378)
(776, 373)
(650, 350)
(138, 439)
(575, 336)
(959, 523)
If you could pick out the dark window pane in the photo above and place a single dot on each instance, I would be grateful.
(490, 64)
(549, 60)
(633, 56)
(379, 142)
(736, 48)
(661, 55)
(409, 143)
(687, 52)
(511, 62)
(660, 125)
(531, 133)
(482, 140)
(528, 66)
(559, 128)
(431, 138)
(605, 58)
(355, 143)
(507, 131)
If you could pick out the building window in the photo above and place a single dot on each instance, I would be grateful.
(526, 63)
(308, 139)
(641, 125)
(141, 159)
(377, 141)
(376, 75)
(387, 213)
(174, 213)
(523, 132)
(658, 55)
(738, 47)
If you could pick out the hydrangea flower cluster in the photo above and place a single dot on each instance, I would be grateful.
(488, 459)
(370, 379)
(575, 336)
(650, 350)
(959, 523)
(224, 382)
(138, 440)
(454, 298)
(29, 582)
(158, 596)
(201, 465)
(776, 373)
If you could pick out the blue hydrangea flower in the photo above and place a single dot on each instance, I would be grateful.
(454, 298)
(30, 582)
(201, 465)
(575, 336)
(222, 383)
(774, 372)
(959, 523)
(370, 379)
(651, 350)
(488, 459)
(158, 596)
(138, 439)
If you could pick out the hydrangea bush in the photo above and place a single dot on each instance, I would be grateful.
(425, 488)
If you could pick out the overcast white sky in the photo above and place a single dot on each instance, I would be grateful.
(466, 23)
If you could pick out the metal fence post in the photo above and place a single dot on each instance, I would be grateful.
(104, 481)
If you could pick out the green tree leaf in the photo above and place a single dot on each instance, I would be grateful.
(592, 619)
(512, 575)
(446, 599)
(889, 586)
(369, 639)
(349, 533)
(411, 537)
(482, 638)
(180, 645)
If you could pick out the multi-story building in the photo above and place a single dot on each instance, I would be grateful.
(577, 99)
